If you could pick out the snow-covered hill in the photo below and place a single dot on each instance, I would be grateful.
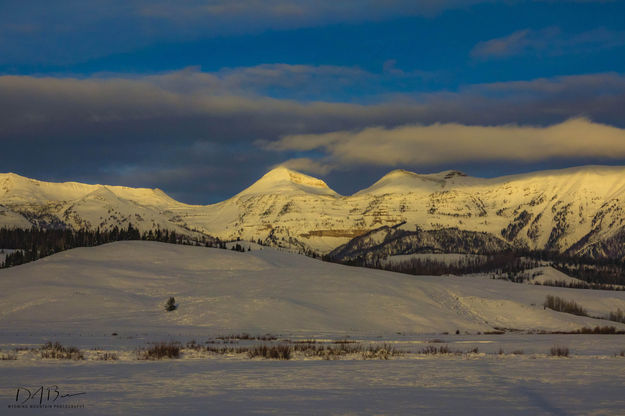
(122, 287)
(577, 209)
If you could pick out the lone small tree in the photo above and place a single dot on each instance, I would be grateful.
(171, 304)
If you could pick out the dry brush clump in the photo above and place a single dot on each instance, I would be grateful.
(561, 305)
(10, 356)
(444, 349)
(379, 352)
(245, 336)
(617, 316)
(59, 352)
(432, 350)
(159, 351)
(559, 351)
(272, 352)
(107, 356)
(328, 352)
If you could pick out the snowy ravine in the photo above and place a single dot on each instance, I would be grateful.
(576, 209)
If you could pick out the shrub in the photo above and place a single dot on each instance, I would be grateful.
(9, 356)
(59, 352)
(377, 352)
(617, 316)
(558, 351)
(430, 349)
(328, 352)
(171, 304)
(274, 352)
(159, 351)
(561, 305)
(246, 336)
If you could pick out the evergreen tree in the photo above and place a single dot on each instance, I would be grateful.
(171, 304)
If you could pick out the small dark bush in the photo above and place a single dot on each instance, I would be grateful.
(558, 351)
(246, 336)
(328, 352)
(171, 304)
(59, 352)
(273, 352)
(159, 351)
(617, 316)
(379, 352)
(430, 349)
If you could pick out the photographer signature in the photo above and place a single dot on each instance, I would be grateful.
(47, 394)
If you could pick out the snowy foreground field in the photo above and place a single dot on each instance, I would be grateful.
(360, 341)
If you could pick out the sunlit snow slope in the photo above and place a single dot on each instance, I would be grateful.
(576, 209)
(123, 286)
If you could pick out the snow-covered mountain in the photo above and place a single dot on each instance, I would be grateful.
(25, 202)
(578, 209)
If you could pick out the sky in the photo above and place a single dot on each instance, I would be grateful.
(202, 97)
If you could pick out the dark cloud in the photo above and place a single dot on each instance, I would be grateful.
(204, 136)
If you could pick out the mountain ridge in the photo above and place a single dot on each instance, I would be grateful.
(580, 208)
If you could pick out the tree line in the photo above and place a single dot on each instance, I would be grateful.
(510, 265)
(35, 243)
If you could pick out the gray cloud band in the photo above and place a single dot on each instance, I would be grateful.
(187, 120)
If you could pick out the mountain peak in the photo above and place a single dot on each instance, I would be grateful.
(284, 180)
(449, 174)
(404, 181)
